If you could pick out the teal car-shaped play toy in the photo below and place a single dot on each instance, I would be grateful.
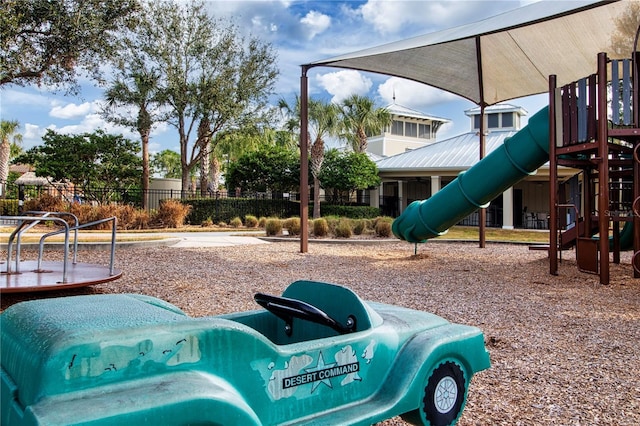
(317, 355)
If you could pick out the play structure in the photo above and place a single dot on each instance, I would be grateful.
(18, 275)
(595, 127)
(519, 156)
(316, 355)
(574, 131)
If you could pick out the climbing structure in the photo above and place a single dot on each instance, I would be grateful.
(595, 127)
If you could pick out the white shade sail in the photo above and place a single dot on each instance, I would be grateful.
(503, 57)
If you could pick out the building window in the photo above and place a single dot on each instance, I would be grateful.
(411, 129)
(507, 119)
(397, 127)
(476, 121)
(424, 131)
(493, 121)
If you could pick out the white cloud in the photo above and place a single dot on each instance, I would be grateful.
(71, 110)
(21, 97)
(428, 16)
(341, 84)
(412, 94)
(315, 23)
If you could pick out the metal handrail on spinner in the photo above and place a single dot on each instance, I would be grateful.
(28, 222)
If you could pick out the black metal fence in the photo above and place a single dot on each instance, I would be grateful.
(219, 204)
(214, 205)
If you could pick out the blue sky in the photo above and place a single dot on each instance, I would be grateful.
(301, 32)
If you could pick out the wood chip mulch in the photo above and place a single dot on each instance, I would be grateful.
(565, 350)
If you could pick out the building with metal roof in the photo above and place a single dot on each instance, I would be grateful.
(416, 174)
(410, 129)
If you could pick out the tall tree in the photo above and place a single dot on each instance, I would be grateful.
(323, 123)
(45, 42)
(9, 147)
(138, 93)
(269, 168)
(344, 173)
(167, 164)
(88, 160)
(211, 77)
(359, 117)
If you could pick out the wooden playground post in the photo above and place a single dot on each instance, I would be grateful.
(553, 180)
(603, 170)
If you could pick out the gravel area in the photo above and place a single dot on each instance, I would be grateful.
(565, 350)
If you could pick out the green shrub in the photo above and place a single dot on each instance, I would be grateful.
(292, 225)
(343, 229)
(320, 227)
(8, 207)
(352, 212)
(236, 222)
(250, 221)
(273, 226)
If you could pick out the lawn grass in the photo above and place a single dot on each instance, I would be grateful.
(469, 233)
(497, 234)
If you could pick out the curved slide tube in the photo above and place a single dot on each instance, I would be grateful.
(519, 156)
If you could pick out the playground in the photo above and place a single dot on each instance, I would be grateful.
(563, 348)
(563, 345)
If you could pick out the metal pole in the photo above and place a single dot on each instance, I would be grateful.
(304, 163)
(483, 211)
(553, 180)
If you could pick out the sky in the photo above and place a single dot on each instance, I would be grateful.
(300, 32)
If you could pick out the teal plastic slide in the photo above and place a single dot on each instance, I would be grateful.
(519, 156)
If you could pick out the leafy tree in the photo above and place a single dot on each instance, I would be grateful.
(359, 118)
(167, 164)
(232, 145)
(46, 41)
(139, 90)
(269, 168)
(213, 80)
(90, 160)
(9, 148)
(323, 122)
(347, 172)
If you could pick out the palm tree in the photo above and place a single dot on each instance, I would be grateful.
(359, 118)
(323, 122)
(140, 90)
(9, 147)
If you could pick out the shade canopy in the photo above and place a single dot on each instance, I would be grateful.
(507, 56)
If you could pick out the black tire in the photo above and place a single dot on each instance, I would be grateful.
(444, 397)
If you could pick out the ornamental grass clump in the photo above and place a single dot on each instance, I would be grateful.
(250, 221)
(383, 227)
(343, 229)
(172, 213)
(262, 222)
(292, 225)
(273, 227)
(359, 227)
(320, 227)
(236, 222)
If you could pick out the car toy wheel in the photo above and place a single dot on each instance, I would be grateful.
(443, 397)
